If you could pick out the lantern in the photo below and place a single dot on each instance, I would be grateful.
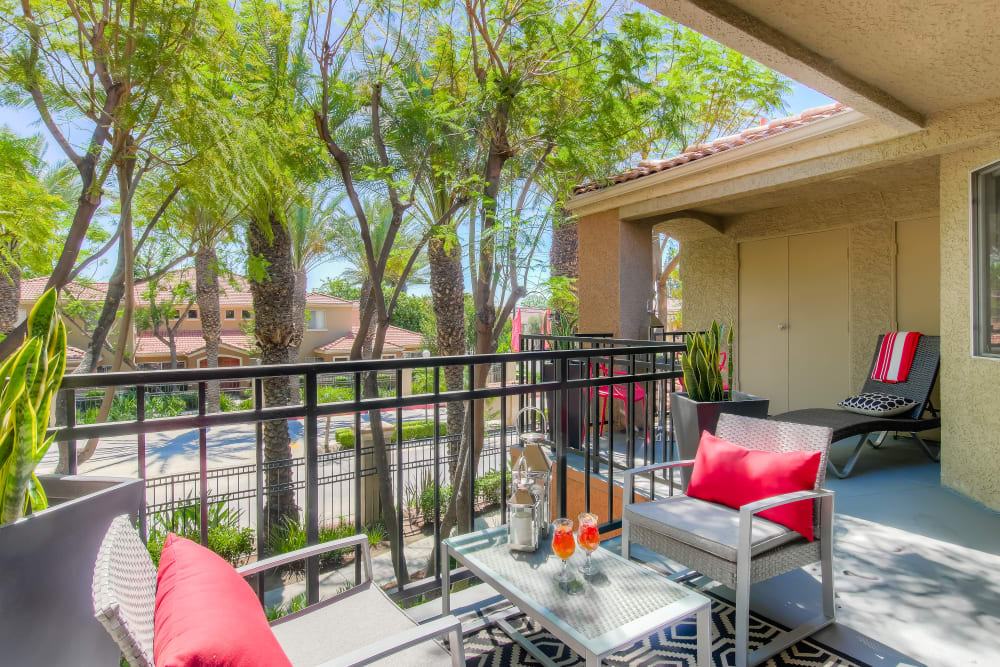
(523, 512)
(534, 453)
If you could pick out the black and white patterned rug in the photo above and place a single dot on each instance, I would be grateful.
(671, 647)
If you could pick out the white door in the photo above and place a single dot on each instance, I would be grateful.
(794, 316)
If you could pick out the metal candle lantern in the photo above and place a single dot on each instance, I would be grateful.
(523, 512)
(539, 467)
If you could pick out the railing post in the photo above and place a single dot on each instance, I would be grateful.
(503, 446)
(140, 416)
(400, 546)
(258, 405)
(203, 465)
(562, 373)
(312, 487)
(437, 463)
(358, 472)
(70, 423)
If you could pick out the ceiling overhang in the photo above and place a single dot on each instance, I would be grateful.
(754, 38)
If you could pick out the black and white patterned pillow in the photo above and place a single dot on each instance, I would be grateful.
(877, 405)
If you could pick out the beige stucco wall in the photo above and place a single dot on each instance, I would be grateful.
(616, 275)
(709, 269)
(970, 400)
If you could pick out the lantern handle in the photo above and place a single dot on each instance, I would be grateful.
(545, 422)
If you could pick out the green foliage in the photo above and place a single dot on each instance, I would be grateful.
(702, 362)
(124, 407)
(427, 500)
(489, 487)
(297, 603)
(414, 430)
(340, 287)
(31, 377)
(291, 535)
(225, 536)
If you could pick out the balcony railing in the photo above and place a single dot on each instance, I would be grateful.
(569, 381)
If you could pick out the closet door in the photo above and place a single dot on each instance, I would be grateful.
(818, 338)
(763, 321)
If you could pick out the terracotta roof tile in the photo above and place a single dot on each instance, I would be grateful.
(720, 145)
(188, 342)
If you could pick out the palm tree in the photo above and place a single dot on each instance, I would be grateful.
(313, 225)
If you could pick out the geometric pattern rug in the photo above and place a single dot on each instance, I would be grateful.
(670, 647)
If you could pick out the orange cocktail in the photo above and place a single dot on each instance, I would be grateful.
(589, 537)
(563, 544)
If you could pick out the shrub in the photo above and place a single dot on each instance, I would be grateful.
(225, 536)
(427, 501)
(489, 487)
(292, 535)
(411, 431)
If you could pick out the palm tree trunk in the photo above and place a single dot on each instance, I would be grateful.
(272, 303)
(206, 277)
(10, 295)
(565, 243)
(447, 295)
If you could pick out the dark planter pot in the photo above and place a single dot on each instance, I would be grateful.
(48, 568)
(690, 418)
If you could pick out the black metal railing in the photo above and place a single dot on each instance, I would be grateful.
(568, 380)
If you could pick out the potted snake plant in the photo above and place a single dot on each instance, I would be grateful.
(50, 525)
(706, 394)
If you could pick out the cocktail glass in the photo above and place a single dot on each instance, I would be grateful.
(589, 538)
(563, 546)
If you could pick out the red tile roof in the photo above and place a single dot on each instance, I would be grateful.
(74, 353)
(234, 290)
(395, 338)
(188, 342)
(720, 145)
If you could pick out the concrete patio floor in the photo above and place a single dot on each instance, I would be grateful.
(916, 568)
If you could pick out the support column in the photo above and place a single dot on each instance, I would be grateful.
(616, 275)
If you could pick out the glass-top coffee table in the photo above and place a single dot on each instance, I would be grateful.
(623, 603)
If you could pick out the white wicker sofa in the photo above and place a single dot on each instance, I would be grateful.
(358, 627)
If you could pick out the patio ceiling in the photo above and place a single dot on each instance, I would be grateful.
(895, 60)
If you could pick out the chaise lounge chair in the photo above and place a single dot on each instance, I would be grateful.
(845, 424)
(357, 627)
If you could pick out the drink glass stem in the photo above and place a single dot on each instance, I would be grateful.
(564, 574)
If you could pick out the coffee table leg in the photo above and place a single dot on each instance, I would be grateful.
(704, 630)
(593, 660)
(445, 582)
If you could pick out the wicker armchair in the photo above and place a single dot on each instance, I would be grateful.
(736, 547)
(369, 626)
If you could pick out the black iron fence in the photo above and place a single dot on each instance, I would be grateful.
(586, 385)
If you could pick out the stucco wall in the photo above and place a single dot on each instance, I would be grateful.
(709, 269)
(970, 400)
(616, 275)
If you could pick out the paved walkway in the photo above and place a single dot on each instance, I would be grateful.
(173, 452)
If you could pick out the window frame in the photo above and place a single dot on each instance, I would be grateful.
(230, 314)
(193, 314)
(313, 317)
(980, 265)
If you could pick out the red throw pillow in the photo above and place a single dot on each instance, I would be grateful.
(734, 476)
(206, 615)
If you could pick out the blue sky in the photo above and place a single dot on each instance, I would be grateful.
(25, 122)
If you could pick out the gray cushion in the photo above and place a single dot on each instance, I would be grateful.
(357, 620)
(707, 526)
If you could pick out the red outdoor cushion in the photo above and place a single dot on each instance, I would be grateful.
(733, 476)
(206, 615)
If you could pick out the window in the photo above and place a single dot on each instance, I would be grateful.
(388, 356)
(230, 314)
(192, 314)
(316, 320)
(247, 315)
(314, 360)
(340, 358)
(986, 260)
(104, 369)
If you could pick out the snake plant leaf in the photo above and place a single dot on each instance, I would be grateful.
(40, 317)
(15, 381)
(21, 463)
(36, 494)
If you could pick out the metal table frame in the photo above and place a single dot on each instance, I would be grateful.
(694, 604)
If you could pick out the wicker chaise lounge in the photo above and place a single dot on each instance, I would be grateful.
(923, 417)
